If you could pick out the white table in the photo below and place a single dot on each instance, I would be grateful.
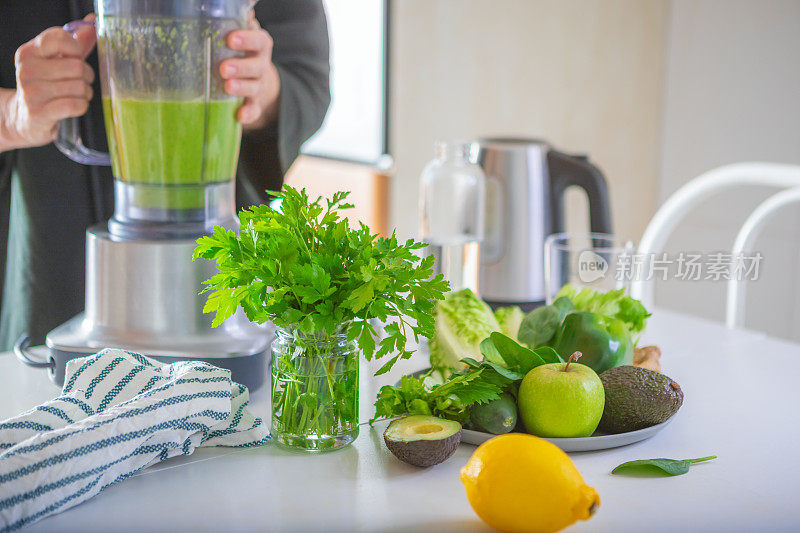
(741, 404)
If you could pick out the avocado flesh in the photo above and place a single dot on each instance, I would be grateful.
(637, 398)
(422, 440)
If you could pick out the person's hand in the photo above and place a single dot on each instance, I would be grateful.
(53, 83)
(253, 77)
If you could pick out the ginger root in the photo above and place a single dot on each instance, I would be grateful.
(647, 357)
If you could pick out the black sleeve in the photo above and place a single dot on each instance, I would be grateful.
(300, 52)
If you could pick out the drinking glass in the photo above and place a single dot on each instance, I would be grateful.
(599, 261)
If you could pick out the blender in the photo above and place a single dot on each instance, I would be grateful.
(174, 142)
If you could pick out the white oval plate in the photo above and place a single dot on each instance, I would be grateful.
(598, 441)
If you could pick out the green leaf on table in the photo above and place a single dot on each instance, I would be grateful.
(658, 467)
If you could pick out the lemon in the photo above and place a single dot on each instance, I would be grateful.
(521, 483)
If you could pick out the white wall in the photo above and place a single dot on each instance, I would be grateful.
(584, 74)
(733, 94)
(353, 126)
(656, 91)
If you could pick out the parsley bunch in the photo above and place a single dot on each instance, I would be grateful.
(451, 399)
(301, 265)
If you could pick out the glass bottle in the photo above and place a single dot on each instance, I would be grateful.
(452, 208)
(314, 390)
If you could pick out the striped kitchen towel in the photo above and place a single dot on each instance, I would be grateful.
(119, 412)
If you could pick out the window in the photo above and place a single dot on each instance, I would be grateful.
(355, 126)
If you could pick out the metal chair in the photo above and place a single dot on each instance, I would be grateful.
(705, 186)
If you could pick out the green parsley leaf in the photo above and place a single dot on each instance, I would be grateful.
(450, 399)
(303, 266)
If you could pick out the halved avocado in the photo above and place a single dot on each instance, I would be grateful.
(422, 440)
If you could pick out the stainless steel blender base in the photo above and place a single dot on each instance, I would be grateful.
(144, 296)
(72, 339)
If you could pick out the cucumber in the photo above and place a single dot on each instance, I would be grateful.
(497, 417)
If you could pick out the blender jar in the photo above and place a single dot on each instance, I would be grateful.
(172, 131)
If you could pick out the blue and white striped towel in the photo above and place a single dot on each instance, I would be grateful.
(119, 412)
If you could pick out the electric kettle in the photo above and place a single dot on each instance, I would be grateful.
(526, 181)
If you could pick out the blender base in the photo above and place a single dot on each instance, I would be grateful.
(69, 341)
(143, 295)
(526, 306)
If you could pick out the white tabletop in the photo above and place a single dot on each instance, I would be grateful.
(741, 397)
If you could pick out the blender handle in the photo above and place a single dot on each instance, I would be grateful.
(21, 350)
(567, 170)
(69, 140)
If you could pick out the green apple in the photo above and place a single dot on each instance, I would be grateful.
(561, 399)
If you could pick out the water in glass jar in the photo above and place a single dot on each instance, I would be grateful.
(458, 260)
(314, 391)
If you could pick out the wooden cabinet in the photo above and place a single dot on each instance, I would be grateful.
(368, 186)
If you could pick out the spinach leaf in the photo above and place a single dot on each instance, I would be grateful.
(503, 371)
(548, 355)
(516, 357)
(658, 467)
(541, 324)
(564, 305)
(489, 351)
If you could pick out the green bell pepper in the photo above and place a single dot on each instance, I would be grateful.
(604, 342)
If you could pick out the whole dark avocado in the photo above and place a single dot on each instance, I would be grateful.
(422, 440)
(637, 398)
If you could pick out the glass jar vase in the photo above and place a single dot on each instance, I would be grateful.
(314, 390)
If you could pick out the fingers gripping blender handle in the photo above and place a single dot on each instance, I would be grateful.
(567, 170)
(69, 136)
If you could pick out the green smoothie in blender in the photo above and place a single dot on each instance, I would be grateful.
(173, 145)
